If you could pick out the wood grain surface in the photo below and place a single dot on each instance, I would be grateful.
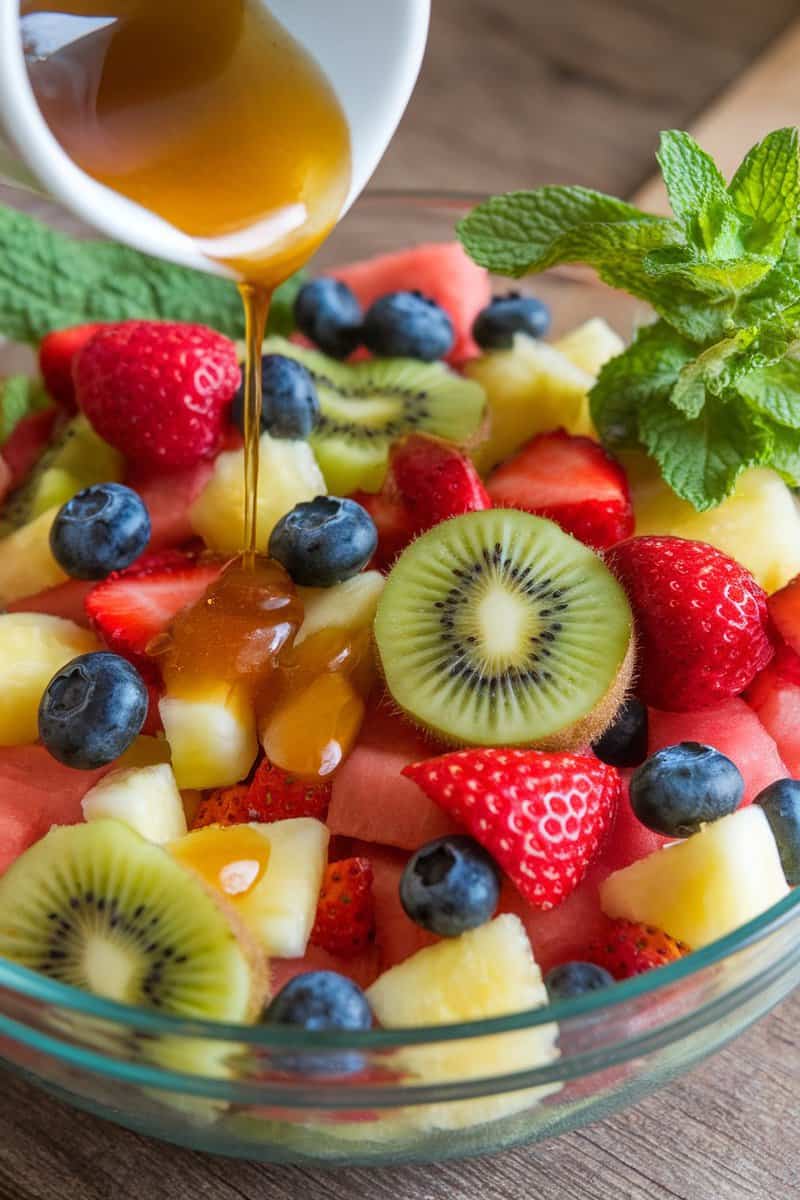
(517, 93)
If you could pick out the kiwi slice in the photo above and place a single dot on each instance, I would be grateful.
(75, 458)
(499, 629)
(98, 907)
(366, 406)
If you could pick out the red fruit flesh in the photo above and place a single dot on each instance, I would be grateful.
(434, 481)
(57, 354)
(345, 921)
(774, 696)
(733, 729)
(393, 524)
(701, 621)
(363, 968)
(158, 391)
(569, 480)
(67, 600)
(629, 840)
(442, 271)
(28, 441)
(784, 608)
(562, 934)
(168, 496)
(397, 937)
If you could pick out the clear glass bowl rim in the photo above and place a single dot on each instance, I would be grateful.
(29, 984)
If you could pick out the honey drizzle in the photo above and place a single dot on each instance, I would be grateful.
(256, 302)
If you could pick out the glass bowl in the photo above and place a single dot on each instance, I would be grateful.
(423, 1094)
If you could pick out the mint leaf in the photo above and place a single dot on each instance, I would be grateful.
(698, 195)
(785, 454)
(50, 281)
(646, 372)
(523, 232)
(19, 396)
(729, 278)
(766, 191)
(701, 459)
(775, 391)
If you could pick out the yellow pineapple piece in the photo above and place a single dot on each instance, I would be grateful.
(146, 798)
(705, 887)
(759, 525)
(211, 736)
(288, 474)
(531, 388)
(27, 565)
(350, 605)
(32, 648)
(591, 345)
(271, 874)
(488, 972)
(146, 751)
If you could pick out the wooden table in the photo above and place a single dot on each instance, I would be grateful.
(517, 93)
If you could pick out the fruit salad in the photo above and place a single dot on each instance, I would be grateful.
(505, 709)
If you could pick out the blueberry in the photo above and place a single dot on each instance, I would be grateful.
(681, 787)
(289, 401)
(92, 710)
(408, 325)
(317, 1001)
(495, 326)
(781, 804)
(327, 312)
(576, 979)
(102, 529)
(324, 541)
(449, 886)
(624, 743)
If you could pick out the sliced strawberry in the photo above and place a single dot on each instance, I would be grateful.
(542, 816)
(434, 481)
(569, 480)
(57, 354)
(345, 923)
(628, 949)
(28, 441)
(273, 795)
(131, 607)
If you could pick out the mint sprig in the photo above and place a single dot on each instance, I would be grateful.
(713, 386)
(49, 281)
(19, 397)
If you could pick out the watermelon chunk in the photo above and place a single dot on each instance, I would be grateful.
(372, 801)
(66, 600)
(169, 496)
(774, 696)
(784, 608)
(6, 479)
(28, 441)
(732, 728)
(440, 270)
(363, 969)
(629, 840)
(564, 933)
(35, 793)
(396, 935)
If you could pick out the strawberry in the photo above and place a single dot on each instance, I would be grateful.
(392, 523)
(629, 949)
(434, 481)
(569, 480)
(158, 391)
(273, 795)
(542, 816)
(345, 923)
(27, 442)
(57, 354)
(130, 607)
(701, 619)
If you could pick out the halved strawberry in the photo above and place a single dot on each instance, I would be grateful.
(434, 481)
(273, 795)
(345, 923)
(57, 353)
(572, 481)
(132, 606)
(629, 949)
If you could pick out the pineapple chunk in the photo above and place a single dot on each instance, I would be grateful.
(349, 605)
(531, 388)
(488, 972)
(146, 751)
(288, 474)
(590, 346)
(146, 798)
(27, 565)
(759, 525)
(271, 874)
(212, 737)
(32, 648)
(705, 887)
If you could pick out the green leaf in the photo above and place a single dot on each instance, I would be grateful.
(785, 454)
(524, 232)
(766, 191)
(19, 396)
(698, 195)
(775, 391)
(701, 459)
(730, 277)
(646, 372)
(50, 281)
